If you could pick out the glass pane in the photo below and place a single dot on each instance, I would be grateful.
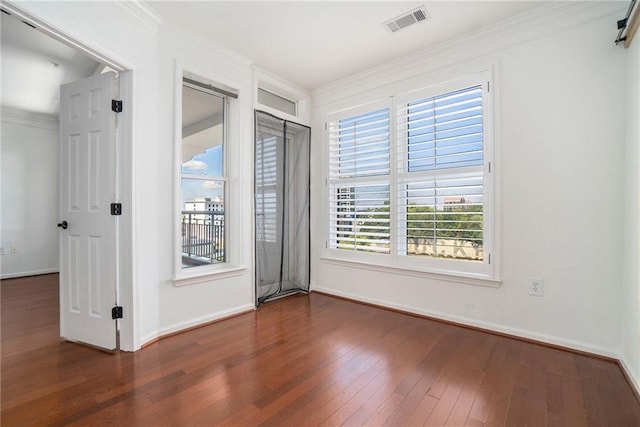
(202, 222)
(277, 102)
(360, 219)
(202, 132)
(445, 131)
(359, 145)
(444, 217)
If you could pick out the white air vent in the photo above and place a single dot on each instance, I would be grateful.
(410, 18)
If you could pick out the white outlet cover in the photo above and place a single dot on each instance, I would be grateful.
(536, 287)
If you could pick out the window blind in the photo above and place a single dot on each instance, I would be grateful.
(427, 207)
(359, 167)
(266, 181)
(359, 145)
(359, 217)
(442, 217)
(442, 131)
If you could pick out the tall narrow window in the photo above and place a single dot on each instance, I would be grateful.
(359, 170)
(203, 176)
(440, 178)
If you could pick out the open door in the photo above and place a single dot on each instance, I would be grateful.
(87, 228)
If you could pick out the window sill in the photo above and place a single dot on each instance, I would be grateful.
(448, 276)
(207, 276)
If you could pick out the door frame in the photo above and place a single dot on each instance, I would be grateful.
(126, 287)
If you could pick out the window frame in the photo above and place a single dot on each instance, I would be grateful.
(230, 267)
(486, 272)
(359, 181)
(211, 178)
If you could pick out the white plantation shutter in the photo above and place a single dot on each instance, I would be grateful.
(410, 177)
(440, 174)
(440, 177)
(359, 167)
(360, 217)
(359, 145)
(442, 217)
(266, 182)
(442, 131)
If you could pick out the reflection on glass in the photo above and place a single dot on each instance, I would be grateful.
(203, 184)
(202, 132)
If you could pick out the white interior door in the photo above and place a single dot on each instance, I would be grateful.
(88, 183)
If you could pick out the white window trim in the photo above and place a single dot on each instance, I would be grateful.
(443, 275)
(271, 83)
(231, 267)
(490, 273)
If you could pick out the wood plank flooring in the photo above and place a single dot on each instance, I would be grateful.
(304, 360)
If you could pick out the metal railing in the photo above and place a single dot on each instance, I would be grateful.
(202, 237)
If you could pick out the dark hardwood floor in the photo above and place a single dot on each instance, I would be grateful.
(305, 360)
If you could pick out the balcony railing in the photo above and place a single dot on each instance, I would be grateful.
(202, 237)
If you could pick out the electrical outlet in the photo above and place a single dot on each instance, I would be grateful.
(536, 287)
(14, 248)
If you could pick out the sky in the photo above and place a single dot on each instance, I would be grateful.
(208, 164)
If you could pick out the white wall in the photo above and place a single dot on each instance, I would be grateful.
(631, 208)
(152, 304)
(184, 306)
(561, 134)
(29, 152)
(134, 46)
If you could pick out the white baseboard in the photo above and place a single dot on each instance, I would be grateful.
(549, 339)
(28, 273)
(177, 327)
(147, 339)
(633, 381)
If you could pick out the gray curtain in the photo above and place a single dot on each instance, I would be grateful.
(282, 150)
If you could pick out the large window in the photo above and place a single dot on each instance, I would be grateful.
(409, 179)
(203, 177)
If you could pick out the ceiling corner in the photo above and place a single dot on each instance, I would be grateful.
(145, 14)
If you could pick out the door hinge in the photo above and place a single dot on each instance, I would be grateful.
(116, 208)
(116, 312)
(116, 106)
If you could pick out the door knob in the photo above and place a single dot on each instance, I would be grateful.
(63, 225)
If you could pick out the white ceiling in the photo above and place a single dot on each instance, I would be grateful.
(309, 43)
(312, 43)
(34, 66)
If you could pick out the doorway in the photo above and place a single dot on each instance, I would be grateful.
(31, 208)
(282, 214)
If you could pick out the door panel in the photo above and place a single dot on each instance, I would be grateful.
(87, 246)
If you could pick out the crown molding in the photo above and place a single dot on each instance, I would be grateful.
(29, 118)
(143, 13)
(548, 19)
(298, 92)
(170, 32)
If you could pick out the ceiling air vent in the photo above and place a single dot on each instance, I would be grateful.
(410, 18)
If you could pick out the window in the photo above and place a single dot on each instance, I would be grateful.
(203, 177)
(278, 102)
(409, 180)
(360, 193)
